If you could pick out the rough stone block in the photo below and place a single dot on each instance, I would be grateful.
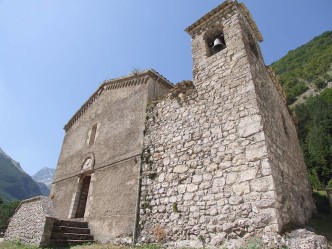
(248, 174)
(249, 125)
(263, 184)
(241, 188)
(180, 169)
(256, 151)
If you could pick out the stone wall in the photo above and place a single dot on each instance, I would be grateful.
(292, 188)
(112, 208)
(32, 222)
(210, 171)
(104, 140)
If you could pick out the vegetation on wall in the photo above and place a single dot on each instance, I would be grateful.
(308, 65)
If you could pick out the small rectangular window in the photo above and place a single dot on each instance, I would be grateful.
(93, 134)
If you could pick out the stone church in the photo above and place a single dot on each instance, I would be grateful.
(204, 160)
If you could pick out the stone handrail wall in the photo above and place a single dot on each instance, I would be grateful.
(32, 222)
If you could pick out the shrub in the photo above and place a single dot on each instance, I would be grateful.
(319, 83)
(322, 203)
(7, 210)
(329, 184)
(314, 179)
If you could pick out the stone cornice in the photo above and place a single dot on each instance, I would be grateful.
(126, 81)
(223, 9)
(251, 21)
(277, 84)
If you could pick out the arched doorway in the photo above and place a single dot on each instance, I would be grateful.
(83, 197)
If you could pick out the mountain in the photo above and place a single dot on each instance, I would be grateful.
(307, 70)
(13, 162)
(45, 175)
(44, 189)
(14, 182)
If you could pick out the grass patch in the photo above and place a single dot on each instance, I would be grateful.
(16, 245)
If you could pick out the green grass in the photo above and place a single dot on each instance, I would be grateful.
(17, 245)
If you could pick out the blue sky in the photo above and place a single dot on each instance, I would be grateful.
(55, 53)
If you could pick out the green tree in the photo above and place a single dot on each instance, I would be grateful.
(329, 184)
(315, 134)
(7, 210)
(314, 179)
(308, 63)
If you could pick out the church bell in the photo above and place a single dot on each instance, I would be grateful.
(218, 44)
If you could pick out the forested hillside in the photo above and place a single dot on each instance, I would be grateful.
(14, 182)
(307, 67)
(315, 134)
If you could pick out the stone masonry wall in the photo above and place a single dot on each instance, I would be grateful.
(293, 190)
(32, 222)
(111, 158)
(207, 175)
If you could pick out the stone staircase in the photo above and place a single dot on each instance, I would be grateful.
(69, 232)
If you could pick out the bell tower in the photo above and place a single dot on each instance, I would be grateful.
(229, 70)
(223, 150)
(224, 35)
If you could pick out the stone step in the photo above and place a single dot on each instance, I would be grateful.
(70, 232)
(70, 223)
(71, 236)
(77, 230)
(64, 242)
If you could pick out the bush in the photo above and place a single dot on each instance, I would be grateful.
(314, 179)
(322, 203)
(329, 184)
(7, 210)
(319, 83)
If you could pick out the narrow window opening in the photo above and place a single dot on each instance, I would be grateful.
(93, 134)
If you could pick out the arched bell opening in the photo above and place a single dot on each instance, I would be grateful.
(215, 41)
